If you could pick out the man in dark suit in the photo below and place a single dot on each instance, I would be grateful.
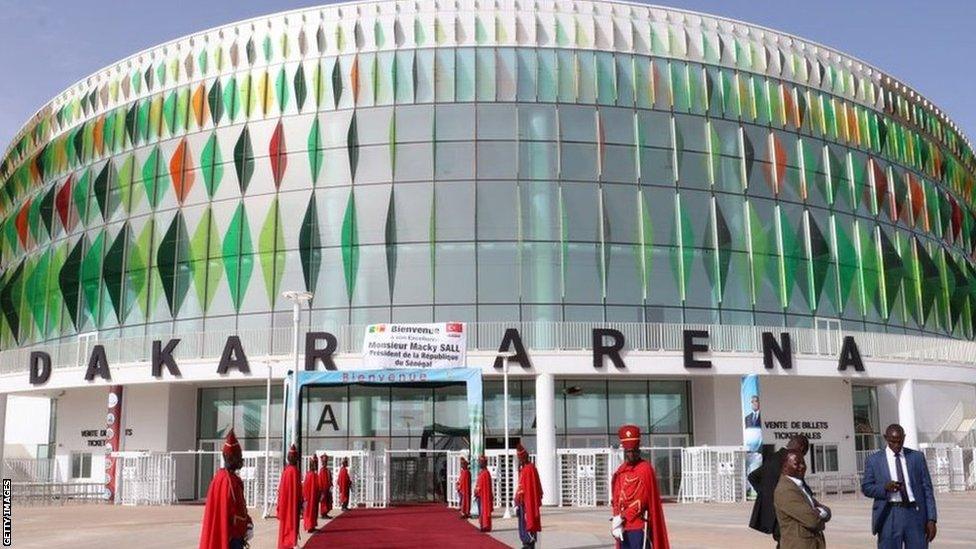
(752, 418)
(903, 514)
(764, 481)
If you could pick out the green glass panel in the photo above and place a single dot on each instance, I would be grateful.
(136, 289)
(155, 177)
(231, 102)
(352, 145)
(212, 165)
(113, 271)
(793, 253)
(820, 264)
(873, 274)
(142, 121)
(301, 88)
(91, 271)
(104, 182)
(38, 289)
(912, 288)
(271, 249)
(336, 84)
(80, 195)
(238, 261)
(68, 281)
(247, 100)
(244, 159)
(683, 256)
(54, 298)
(173, 260)
(310, 244)
(350, 245)
(892, 274)
(10, 299)
(206, 274)
(315, 152)
(127, 174)
(215, 99)
(282, 90)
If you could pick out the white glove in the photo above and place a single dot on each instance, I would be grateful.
(617, 527)
(250, 532)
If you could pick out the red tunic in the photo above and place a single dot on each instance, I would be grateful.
(225, 515)
(310, 491)
(325, 491)
(289, 501)
(486, 499)
(634, 493)
(464, 487)
(529, 497)
(343, 483)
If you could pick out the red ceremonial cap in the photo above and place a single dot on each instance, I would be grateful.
(521, 451)
(231, 448)
(629, 436)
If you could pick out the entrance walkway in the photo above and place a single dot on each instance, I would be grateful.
(422, 525)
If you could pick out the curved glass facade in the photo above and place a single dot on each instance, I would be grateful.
(588, 161)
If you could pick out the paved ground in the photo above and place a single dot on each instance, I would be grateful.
(690, 526)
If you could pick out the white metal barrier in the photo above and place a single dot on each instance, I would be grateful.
(940, 468)
(32, 470)
(145, 478)
(585, 475)
(969, 465)
(453, 473)
(713, 474)
(504, 475)
(56, 493)
(368, 475)
(252, 474)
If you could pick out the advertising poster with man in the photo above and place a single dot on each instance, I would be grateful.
(752, 436)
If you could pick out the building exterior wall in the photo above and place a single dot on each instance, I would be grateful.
(556, 167)
(810, 401)
(593, 169)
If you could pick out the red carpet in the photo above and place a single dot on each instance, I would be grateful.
(426, 525)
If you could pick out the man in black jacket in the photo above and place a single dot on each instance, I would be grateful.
(764, 480)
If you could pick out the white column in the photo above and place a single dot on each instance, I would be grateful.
(3, 425)
(545, 437)
(906, 412)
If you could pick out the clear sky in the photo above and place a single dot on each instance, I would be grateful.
(47, 45)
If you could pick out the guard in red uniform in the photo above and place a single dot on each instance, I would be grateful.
(226, 524)
(325, 487)
(464, 489)
(310, 491)
(289, 502)
(637, 512)
(343, 482)
(528, 500)
(485, 495)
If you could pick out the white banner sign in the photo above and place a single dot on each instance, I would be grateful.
(441, 345)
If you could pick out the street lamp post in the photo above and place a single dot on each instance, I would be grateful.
(298, 299)
(267, 443)
(505, 492)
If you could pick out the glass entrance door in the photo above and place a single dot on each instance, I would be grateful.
(207, 465)
(418, 476)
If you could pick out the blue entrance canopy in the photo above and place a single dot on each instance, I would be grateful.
(471, 377)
